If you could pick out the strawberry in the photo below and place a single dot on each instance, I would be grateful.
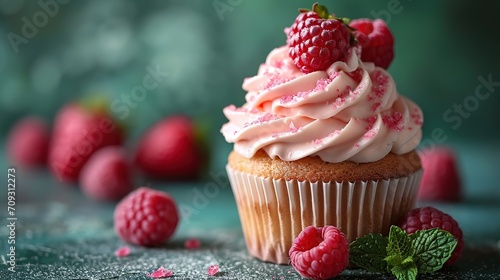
(317, 39)
(376, 40)
(441, 180)
(168, 150)
(28, 142)
(107, 175)
(79, 132)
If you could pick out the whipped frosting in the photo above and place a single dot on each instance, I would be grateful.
(349, 112)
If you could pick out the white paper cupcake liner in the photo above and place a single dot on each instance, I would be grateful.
(273, 212)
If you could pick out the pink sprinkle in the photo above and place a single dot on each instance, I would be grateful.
(356, 145)
(335, 133)
(303, 94)
(393, 121)
(122, 251)
(275, 80)
(371, 120)
(160, 273)
(417, 118)
(317, 141)
(286, 99)
(379, 85)
(321, 84)
(192, 243)
(292, 128)
(265, 118)
(334, 75)
(213, 269)
(369, 134)
(268, 117)
(375, 106)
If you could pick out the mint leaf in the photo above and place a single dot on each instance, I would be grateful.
(369, 251)
(433, 247)
(405, 272)
(399, 244)
(394, 260)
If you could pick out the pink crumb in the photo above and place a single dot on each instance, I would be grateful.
(369, 134)
(371, 120)
(393, 121)
(276, 81)
(375, 106)
(160, 273)
(122, 251)
(192, 243)
(321, 84)
(303, 94)
(334, 75)
(213, 269)
(356, 145)
(317, 141)
(417, 118)
(268, 117)
(286, 99)
(379, 86)
(335, 133)
(292, 128)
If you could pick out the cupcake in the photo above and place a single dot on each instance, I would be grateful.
(322, 142)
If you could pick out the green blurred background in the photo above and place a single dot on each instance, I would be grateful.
(444, 49)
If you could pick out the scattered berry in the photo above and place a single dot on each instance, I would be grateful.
(122, 251)
(168, 150)
(192, 243)
(78, 133)
(107, 175)
(376, 40)
(28, 142)
(440, 181)
(146, 217)
(430, 217)
(213, 269)
(320, 253)
(317, 39)
(160, 273)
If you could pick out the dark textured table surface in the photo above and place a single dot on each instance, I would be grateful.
(60, 234)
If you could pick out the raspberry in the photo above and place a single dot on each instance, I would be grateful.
(320, 253)
(28, 142)
(376, 40)
(317, 39)
(441, 180)
(146, 217)
(169, 150)
(107, 175)
(430, 217)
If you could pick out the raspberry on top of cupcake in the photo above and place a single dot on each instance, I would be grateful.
(326, 93)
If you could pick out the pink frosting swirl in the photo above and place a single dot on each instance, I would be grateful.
(350, 112)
